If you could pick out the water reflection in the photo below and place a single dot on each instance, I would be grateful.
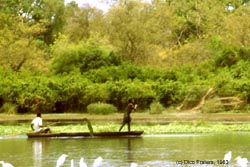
(37, 152)
(147, 151)
(130, 157)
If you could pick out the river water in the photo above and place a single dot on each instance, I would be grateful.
(146, 151)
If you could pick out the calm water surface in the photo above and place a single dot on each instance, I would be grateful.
(151, 151)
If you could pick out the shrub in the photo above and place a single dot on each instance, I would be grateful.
(156, 108)
(101, 108)
(9, 108)
(81, 57)
(171, 92)
(230, 55)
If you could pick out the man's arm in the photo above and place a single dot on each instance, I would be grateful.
(32, 126)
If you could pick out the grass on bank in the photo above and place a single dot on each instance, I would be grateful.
(173, 128)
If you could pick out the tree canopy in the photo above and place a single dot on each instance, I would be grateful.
(64, 56)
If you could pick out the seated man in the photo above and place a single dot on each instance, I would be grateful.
(37, 125)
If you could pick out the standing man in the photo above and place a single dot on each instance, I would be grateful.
(37, 125)
(126, 117)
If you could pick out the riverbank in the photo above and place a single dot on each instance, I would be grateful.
(151, 124)
(144, 118)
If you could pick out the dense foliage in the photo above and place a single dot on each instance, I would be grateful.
(101, 108)
(62, 58)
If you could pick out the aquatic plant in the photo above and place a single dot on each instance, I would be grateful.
(12, 130)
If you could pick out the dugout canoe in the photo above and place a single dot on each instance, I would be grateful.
(87, 134)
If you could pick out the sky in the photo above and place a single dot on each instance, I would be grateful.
(100, 4)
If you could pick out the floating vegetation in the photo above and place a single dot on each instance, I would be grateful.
(195, 127)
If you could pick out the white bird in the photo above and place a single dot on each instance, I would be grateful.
(241, 162)
(61, 160)
(82, 163)
(97, 162)
(72, 163)
(133, 164)
(5, 164)
(228, 156)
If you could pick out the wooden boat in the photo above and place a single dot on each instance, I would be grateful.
(87, 134)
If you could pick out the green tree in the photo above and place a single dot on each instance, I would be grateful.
(50, 12)
(32, 12)
(16, 35)
(235, 30)
(81, 57)
(126, 30)
(82, 22)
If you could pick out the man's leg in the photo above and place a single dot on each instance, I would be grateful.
(129, 126)
(122, 126)
(45, 130)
